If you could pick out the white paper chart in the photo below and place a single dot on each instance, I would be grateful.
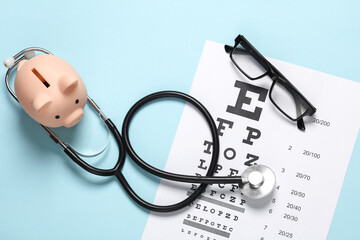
(310, 166)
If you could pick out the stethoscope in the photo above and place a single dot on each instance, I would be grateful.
(256, 182)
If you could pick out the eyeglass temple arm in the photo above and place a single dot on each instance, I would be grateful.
(300, 122)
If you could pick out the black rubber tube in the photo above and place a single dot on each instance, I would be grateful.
(167, 175)
(125, 147)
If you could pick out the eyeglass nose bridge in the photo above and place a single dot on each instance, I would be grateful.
(273, 76)
(271, 73)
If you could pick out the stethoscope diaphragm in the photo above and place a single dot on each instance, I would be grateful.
(258, 181)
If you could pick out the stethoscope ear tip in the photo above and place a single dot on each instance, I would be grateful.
(9, 62)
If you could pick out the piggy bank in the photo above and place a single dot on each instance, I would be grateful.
(50, 91)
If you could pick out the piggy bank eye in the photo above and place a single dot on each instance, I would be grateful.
(77, 101)
(57, 116)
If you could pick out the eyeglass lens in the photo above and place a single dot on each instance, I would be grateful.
(287, 100)
(248, 64)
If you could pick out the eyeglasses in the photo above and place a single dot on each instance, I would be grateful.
(283, 94)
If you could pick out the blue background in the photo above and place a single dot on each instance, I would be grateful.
(124, 50)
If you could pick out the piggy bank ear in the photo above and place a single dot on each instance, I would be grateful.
(40, 101)
(67, 84)
(20, 64)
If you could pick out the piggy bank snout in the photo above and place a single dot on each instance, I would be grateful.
(74, 118)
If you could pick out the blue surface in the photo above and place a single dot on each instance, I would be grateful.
(124, 50)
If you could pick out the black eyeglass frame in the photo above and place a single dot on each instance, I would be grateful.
(274, 74)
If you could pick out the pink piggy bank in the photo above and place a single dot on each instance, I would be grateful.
(50, 91)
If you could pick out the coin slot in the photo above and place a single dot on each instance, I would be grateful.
(40, 77)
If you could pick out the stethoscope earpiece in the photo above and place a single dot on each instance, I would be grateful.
(9, 62)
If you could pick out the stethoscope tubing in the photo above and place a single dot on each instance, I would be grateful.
(160, 173)
(126, 147)
(208, 179)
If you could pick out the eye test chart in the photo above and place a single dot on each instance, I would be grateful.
(310, 165)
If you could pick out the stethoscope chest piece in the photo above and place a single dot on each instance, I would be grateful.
(258, 182)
